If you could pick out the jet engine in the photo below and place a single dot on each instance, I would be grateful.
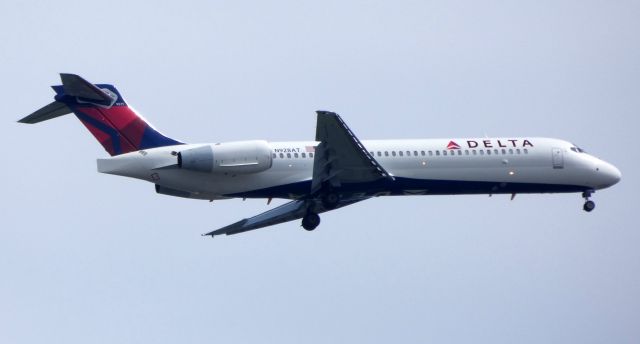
(242, 157)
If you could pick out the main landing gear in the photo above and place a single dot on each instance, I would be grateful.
(310, 221)
(589, 205)
(330, 200)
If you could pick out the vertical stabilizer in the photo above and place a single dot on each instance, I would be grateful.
(101, 108)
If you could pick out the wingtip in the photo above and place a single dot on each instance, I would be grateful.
(66, 77)
(67, 74)
(325, 112)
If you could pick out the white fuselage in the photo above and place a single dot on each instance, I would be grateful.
(423, 166)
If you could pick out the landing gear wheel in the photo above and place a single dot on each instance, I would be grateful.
(310, 221)
(589, 206)
(330, 200)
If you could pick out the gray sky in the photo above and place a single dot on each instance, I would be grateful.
(86, 257)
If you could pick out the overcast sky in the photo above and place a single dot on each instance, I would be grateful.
(93, 258)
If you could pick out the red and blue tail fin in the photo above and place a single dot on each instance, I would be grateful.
(104, 112)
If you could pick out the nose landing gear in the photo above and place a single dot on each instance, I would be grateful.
(589, 205)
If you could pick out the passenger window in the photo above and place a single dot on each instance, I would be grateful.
(415, 153)
(408, 153)
(510, 151)
(459, 152)
(311, 155)
(422, 153)
(273, 155)
(281, 155)
(504, 151)
(430, 153)
(488, 151)
(289, 155)
(304, 155)
(295, 155)
(481, 152)
(393, 153)
(518, 151)
(526, 151)
(466, 152)
(437, 153)
(444, 152)
(386, 153)
(475, 152)
(400, 153)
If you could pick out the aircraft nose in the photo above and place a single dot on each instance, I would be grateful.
(610, 174)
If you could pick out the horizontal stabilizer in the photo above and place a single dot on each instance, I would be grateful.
(76, 86)
(53, 110)
(73, 86)
(103, 111)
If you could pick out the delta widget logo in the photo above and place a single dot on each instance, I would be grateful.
(453, 145)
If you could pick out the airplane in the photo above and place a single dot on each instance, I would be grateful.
(335, 170)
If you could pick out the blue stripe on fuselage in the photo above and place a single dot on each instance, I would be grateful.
(409, 186)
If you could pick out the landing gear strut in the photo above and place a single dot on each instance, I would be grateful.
(589, 205)
(310, 221)
(330, 200)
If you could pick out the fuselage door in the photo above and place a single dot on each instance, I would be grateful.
(557, 158)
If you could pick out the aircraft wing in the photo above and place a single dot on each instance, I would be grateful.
(287, 212)
(340, 156)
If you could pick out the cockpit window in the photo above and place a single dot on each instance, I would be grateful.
(577, 149)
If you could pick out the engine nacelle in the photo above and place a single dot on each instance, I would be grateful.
(240, 157)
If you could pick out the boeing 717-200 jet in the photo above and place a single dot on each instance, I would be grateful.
(334, 170)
